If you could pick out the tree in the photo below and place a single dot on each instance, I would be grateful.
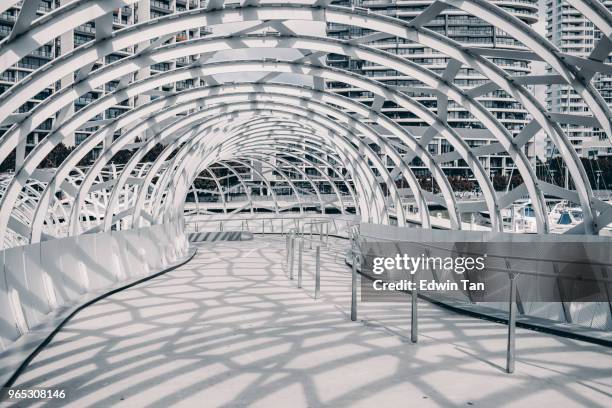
(56, 156)
(8, 165)
(153, 153)
(461, 183)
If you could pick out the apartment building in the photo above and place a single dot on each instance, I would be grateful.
(573, 34)
(467, 30)
(453, 23)
(123, 17)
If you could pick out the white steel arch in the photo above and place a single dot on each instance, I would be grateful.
(435, 82)
(101, 135)
(375, 211)
(92, 175)
(24, 210)
(93, 109)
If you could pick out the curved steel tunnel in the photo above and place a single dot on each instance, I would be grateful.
(257, 119)
(256, 133)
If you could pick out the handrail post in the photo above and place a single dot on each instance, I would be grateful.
(310, 235)
(511, 324)
(321, 233)
(287, 249)
(566, 309)
(414, 309)
(353, 280)
(291, 255)
(317, 272)
(300, 266)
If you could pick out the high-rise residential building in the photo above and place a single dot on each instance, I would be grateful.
(467, 30)
(27, 65)
(575, 35)
(464, 28)
(140, 11)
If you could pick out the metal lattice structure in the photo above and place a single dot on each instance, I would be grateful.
(272, 126)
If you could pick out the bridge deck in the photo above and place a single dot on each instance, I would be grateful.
(229, 329)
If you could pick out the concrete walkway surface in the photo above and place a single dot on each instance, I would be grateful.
(229, 329)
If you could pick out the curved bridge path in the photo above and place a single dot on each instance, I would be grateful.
(229, 329)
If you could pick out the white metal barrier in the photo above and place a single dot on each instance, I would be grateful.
(40, 278)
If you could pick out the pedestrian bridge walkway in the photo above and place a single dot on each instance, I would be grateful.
(230, 329)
